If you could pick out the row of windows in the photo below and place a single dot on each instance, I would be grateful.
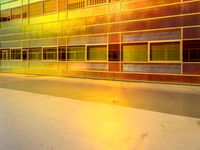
(130, 52)
(83, 3)
(44, 7)
(31, 10)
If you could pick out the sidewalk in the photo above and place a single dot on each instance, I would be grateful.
(166, 98)
(30, 121)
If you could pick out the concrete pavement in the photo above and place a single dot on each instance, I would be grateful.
(30, 121)
(56, 113)
(167, 98)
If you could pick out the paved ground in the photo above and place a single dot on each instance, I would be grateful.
(53, 113)
(166, 98)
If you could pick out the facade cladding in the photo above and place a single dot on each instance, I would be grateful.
(156, 40)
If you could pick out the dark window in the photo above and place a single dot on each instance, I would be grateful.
(191, 51)
(62, 53)
(0, 54)
(16, 54)
(25, 54)
(5, 54)
(5, 15)
(114, 52)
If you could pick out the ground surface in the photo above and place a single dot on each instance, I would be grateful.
(53, 113)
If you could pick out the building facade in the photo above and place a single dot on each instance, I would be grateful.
(155, 40)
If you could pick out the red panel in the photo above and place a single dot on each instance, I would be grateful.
(191, 69)
(113, 38)
(114, 67)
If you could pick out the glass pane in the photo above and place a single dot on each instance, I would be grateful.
(62, 53)
(16, 54)
(35, 53)
(191, 51)
(5, 54)
(16, 13)
(50, 53)
(114, 52)
(75, 4)
(62, 5)
(165, 52)
(25, 11)
(50, 6)
(135, 52)
(5, 15)
(97, 53)
(75, 53)
(36, 9)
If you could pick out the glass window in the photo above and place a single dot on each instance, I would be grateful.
(25, 11)
(25, 54)
(50, 6)
(165, 52)
(5, 15)
(61, 53)
(5, 54)
(50, 53)
(135, 52)
(76, 53)
(36, 9)
(110, 1)
(95, 2)
(114, 52)
(16, 54)
(16, 13)
(35, 53)
(97, 53)
(75, 5)
(191, 51)
(0, 54)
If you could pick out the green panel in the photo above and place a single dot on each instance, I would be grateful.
(76, 53)
(97, 53)
(50, 42)
(165, 52)
(137, 52)
(35, 43)
(11, 23)
(25, 43)
(11, 37)
(11, 44)
(35, 35)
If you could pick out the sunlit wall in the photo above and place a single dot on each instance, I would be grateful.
(101, 38)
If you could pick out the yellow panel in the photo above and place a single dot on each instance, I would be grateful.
(44, 19)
